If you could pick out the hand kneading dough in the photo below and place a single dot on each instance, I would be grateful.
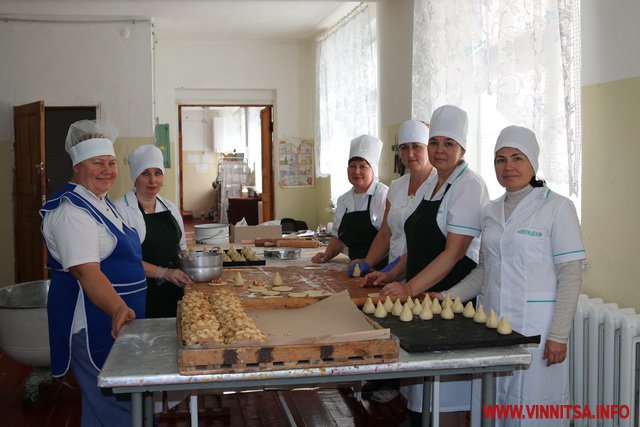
(380, 312)
(356, 271)
(417, 307)
(388, 304)
(492, 320)
(457, 306)
(368, 306)
(504, 327)
(468, 311)
(426, 313)
(480, 316)
(277, 280)
(406, 315)
(447, 312)
(436, 308)
(397, 307)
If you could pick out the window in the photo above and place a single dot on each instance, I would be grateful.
(505, 62)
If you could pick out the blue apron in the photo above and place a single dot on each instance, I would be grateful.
(123, 268)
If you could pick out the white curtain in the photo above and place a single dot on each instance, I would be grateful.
(347, 94)
(505, 62)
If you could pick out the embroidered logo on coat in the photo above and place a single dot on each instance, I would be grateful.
(531, 233)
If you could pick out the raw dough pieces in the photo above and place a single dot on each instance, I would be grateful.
(468, 311)
(368, 306)
(380, 312)
(504, 327)
(356, 271)
(436, 308)
(406, 315)
(480, 316)
(492, 320)
(397, 307)
(426, 313)
(277, 280)
(447, 312)
(388, 304)
(457, 306)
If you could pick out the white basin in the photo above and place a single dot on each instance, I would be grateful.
(24, 329)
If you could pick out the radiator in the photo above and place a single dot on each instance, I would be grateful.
(604, 357)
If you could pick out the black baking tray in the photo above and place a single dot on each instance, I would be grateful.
(244, 263)
(458, 333)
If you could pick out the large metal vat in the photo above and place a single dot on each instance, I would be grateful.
(24, 329)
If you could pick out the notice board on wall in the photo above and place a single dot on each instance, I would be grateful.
(296, 166)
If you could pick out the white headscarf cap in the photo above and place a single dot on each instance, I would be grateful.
(145, 157)
(90, 138)
(367, 147)
(523, 139)
(451, 122)
(413, 131)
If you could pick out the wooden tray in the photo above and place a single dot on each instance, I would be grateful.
(260, 356)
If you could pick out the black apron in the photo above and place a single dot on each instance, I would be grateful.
(161, 247)
(425, 242)
(357, 233)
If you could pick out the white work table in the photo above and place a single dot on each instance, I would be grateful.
(144, 359)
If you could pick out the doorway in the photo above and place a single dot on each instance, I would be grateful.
(42, 166)
(226, 162)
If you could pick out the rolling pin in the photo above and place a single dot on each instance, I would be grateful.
(297, 243)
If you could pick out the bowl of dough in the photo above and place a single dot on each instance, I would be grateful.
(202, 266)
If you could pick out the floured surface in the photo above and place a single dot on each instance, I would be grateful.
(334, 319)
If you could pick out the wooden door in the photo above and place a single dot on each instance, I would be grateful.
(29, 191)
(268, 196)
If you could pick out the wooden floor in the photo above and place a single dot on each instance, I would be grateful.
(56, 403)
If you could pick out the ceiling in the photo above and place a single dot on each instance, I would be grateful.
(204, 20)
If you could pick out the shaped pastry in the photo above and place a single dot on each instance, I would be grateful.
(447, 312)
(397, 307)
(277, 280)
(239, 280)
(417, 307)
(457, 306)
(368, 306)
(504, 327)
(356, 271)
(426, 313)
(406, 315)
(468, 311)
(380, 312)
(480, 316)
(410, 302)
(436, 308)
(388, 304)
(492, 320)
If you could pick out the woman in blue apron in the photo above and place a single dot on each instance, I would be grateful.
(530, 271)
(442, 234)
(359, 211)
(161, 230)
(97, 279)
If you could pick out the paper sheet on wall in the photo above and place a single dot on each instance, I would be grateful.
(296, 167)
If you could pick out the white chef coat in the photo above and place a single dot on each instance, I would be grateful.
(128, 206)
(462, 206)
(401, 207)
(352, 202)
(460, 212)
(73, 237)
(520, 282)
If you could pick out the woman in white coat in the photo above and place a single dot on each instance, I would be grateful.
(530, 271)
(359, 211)
(160, 228)
(403, 197)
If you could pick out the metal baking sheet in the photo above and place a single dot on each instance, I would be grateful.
(458, 333)
(282, 253)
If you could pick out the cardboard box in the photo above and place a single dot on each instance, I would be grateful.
(252, 232)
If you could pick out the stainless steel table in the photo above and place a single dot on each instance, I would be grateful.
(144, 359)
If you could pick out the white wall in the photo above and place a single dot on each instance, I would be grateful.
(283, 71)
(71, 65)
(610, 34)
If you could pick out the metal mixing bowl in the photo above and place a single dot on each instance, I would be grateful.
(201, 266)
(24, 327)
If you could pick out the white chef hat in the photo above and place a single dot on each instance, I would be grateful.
(90, 138)
(451, 122)
(145, 157)
(521, 138)
(413, 131)
(367, 147)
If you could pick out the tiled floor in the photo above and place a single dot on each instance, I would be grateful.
(57, 404)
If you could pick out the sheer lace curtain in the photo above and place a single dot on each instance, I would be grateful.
(505, 62)
(347, 94)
